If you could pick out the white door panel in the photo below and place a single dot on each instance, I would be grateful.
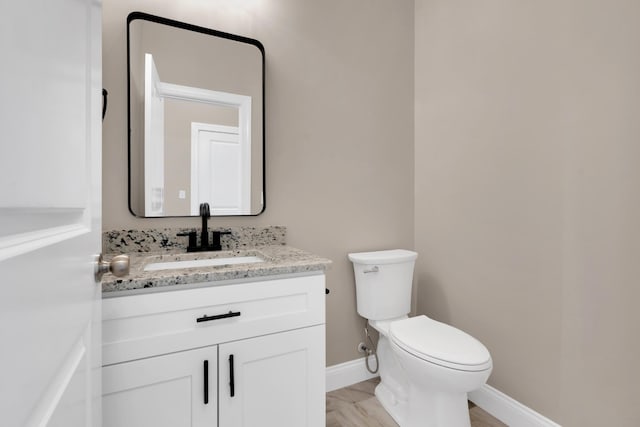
(43, 78)
(50, 155)
(220, 169)
(71, 406)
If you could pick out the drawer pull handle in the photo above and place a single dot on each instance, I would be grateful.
(206, 318)
(232, 385)
(206, 382)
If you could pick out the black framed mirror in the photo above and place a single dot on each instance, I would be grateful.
(196, 119)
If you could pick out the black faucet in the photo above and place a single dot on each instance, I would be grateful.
(215, 245)
(205, 214)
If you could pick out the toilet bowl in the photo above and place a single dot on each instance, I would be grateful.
(426, 367)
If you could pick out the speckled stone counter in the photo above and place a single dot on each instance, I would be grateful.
(278, 260)
(167, 239)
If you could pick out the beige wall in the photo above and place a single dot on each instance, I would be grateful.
(339, 107)
(527, 205)
(526, 149)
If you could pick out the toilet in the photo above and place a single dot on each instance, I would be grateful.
(426, 367)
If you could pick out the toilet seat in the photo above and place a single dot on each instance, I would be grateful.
(439, 343)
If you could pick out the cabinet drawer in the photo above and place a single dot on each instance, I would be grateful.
(139, 326)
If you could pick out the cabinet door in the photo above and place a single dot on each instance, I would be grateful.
(175, 390)
(278, 380)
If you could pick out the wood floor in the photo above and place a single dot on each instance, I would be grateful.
(357, 406)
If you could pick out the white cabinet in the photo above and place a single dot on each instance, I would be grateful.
(278, 380)
(162, 391)
(263, 367)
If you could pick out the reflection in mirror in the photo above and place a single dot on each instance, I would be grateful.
(196, 120)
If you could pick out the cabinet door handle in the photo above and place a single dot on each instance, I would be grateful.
(206, 318)
(232, 385)
(206, 382)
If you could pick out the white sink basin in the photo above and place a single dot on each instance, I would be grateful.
(197, 263)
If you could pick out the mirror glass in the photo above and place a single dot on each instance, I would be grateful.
(196, 119)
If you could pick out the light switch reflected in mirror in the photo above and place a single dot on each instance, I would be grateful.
(196, 119)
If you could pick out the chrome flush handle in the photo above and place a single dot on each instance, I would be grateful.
(118, 266)
(375, 269)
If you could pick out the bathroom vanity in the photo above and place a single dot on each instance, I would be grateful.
(224, 345)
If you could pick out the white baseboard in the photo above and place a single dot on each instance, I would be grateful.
(347, 373)
(496, 403)
(507, 409)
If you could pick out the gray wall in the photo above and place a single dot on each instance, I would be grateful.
(527, 198)
(339, 107)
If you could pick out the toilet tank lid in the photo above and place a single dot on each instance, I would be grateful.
(383, 257)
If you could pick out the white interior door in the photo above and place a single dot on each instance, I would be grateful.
(220, 170)
(50, 208)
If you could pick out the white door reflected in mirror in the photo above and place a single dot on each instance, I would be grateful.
(220, 169)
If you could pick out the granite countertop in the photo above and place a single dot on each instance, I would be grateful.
(279, 260)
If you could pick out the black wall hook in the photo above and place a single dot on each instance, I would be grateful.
(104, 102)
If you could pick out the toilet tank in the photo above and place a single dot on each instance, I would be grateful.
(383, 282)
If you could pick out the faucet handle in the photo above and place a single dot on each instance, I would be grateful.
(192, 239)
(217, 234)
